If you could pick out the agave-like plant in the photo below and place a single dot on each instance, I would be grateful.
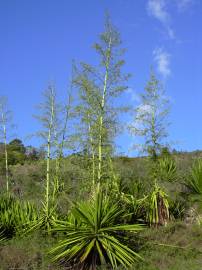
(156, 206)
(93, 236)
(45, 221)
(177, 208)
(167, 170)
(194, 182)
(15, 215)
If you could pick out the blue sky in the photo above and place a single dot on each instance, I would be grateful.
(38, 40)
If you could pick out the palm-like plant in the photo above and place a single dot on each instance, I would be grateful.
(15, 215)
(94, 237)
(167, 170)
(194, 182)
(156, 206)
(45, 221)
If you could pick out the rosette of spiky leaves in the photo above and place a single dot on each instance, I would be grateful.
(45, 221)
(15, 215)
(167, 169)
(194, 182)
(93, 236)
(177, 208)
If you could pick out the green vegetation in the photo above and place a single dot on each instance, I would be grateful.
(74, 204)
(93, 235)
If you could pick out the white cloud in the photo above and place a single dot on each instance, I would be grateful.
(171, 32)
(159, 10)
(162, 58)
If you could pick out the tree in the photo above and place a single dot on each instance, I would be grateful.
(151, 124)
(17, 145)
(99, 88)
(63, 136)
(54, 121)
(87, 113)
(16, 152)
(49, 121)
(151, 118)
(5, 121)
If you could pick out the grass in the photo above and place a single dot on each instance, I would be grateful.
(27, 253)
(176, 247)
